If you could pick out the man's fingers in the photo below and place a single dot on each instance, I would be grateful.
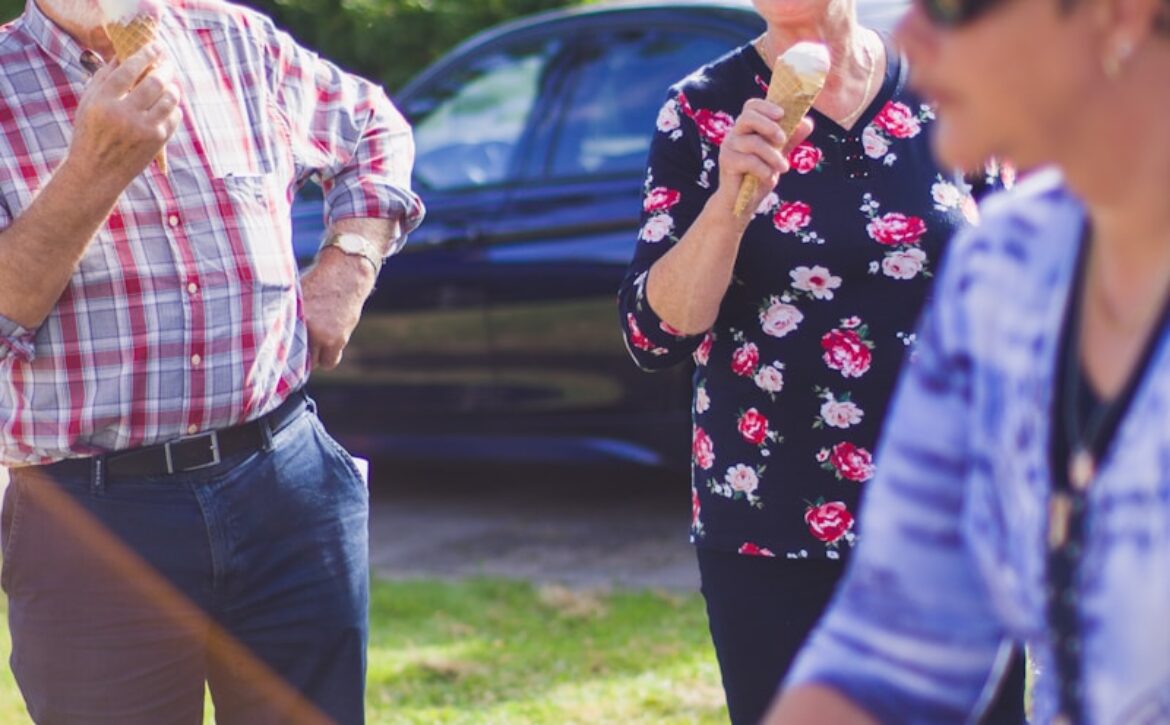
(159, 80)
(327, 358)
(126, 75)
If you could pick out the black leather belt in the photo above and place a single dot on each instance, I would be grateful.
(191, 453)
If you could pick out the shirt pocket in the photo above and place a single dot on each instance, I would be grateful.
(261, 223)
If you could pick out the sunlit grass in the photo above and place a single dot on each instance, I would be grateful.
(493, 651)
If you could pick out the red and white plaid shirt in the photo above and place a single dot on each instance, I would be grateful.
(184, 314)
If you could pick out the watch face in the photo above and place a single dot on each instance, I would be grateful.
(351, 243)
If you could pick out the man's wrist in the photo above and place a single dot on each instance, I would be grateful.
(356, 245)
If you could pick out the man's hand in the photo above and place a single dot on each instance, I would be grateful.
(334, 290)
(121, 124)
(126, 114)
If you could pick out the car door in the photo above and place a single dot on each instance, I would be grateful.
(417, 372)
(562, 366)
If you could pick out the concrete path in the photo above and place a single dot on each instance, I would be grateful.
(582, 529)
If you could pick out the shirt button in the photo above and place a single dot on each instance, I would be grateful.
(192, 429)
(192, 288)
(173, 220)
(195, 359)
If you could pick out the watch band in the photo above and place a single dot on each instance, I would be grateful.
(358, 246)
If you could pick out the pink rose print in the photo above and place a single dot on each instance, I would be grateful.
(828, 521)
(750, 549)
(846, 352)
(657, 228)
(713, 125)
(898, 120)
(851, 462)
(745, 359)
(668, 120)
(904, 264)
(753, 426)
(805, 158)
(896, 228)
(702, 449)
(840, 413)
(696, 509)
(703, 352)
(637, 339)
(779, 318)
(792, 216)
(874, 144)
(659, 199)
(818, 281)
(742, 479)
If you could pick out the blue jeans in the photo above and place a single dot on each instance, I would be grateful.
(126, 595)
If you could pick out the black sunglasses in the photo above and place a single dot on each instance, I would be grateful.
(954, 13)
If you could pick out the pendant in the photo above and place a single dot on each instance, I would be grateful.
(1081, 469)
(1059, 513)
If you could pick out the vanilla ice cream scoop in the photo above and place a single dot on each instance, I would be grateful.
(807, 59)
(124, 11)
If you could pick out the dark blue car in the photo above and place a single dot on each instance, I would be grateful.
(493, 334)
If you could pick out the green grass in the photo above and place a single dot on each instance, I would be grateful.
(492, 651)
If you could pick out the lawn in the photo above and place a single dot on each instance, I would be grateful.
(492, 651)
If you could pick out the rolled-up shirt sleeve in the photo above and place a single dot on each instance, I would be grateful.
(16, 341)
(911, 635)
(345, 131)
(673, 195)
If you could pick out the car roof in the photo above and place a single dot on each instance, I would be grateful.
(879, 14)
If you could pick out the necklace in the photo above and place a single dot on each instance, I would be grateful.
(870, 64)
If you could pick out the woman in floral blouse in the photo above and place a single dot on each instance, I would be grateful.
(797, 317)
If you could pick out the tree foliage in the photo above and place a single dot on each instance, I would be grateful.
(385, 40)
(391, 40)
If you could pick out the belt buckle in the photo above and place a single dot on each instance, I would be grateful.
(213, 446)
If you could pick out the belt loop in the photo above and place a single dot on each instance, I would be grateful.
(98, 477)
(266, 434)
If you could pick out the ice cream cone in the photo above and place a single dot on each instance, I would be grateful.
(797, 78)
(128, 38)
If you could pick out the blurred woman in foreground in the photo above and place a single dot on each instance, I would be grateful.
(1024, 492)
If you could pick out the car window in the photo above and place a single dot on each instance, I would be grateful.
(621, 82)
(468, 123)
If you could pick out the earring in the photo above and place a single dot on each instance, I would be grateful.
(1112, 63)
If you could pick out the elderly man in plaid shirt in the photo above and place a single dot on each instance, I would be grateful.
(177, 514)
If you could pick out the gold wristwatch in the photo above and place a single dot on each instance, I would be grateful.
(358, 246)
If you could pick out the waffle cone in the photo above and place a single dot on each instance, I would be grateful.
(795, 94)
(128, 38)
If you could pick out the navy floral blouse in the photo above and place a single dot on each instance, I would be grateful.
(791, 383)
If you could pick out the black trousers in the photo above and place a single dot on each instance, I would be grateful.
(761, 609)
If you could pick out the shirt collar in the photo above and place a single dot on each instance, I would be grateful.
(56, 43)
